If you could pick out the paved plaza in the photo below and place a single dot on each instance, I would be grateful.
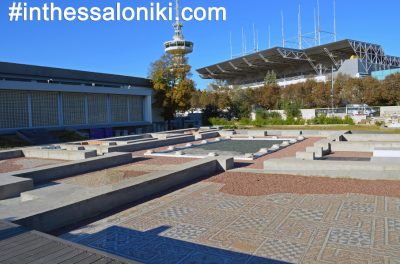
(201, 224)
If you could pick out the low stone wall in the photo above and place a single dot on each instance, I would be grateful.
(207, 134)
(14, 183)
(362, 146)
(372, 137)
(59, 171)
(252, 133)
(339, 169)
(60, 154)
(306, 133)
(11, 154)
(149, 144)
(119, 195)
(12, 186)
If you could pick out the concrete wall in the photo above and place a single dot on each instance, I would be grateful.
(362, 146)
(336, 169)
(306, 133)
(389, 111)
(145, 186)
(308, 114)
(372, 137)
(12, 186)
(11, 154)
(149, 145)
(59, 171)
(59, 154)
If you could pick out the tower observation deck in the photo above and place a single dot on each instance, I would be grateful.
(178, 46)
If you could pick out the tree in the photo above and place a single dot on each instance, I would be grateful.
(390, 88)
(270, 79)
(267, 96)
(173, 88)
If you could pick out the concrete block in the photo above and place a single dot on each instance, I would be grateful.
(11, 154)
(364, 146)
(59, 171)
(11, 186)
(387, 152)
(386, 160)
(305, 155)
(318, 151)
(59, 154)
(60, 215)
(325, 144)
(226, 163)
(149, 144)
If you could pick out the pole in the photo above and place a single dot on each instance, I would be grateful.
(332, 90)
(299, 28)
(319, 23)
(269, 36)
(230, 44)
(334, 21)
(283, 31)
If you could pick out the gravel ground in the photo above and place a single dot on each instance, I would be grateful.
(11, 165)
(102, 178)
(251, 184)
(284, 153)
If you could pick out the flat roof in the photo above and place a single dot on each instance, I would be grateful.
(33, 72)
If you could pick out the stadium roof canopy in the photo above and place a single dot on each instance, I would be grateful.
(287, 61)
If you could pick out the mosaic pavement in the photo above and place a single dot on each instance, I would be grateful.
(199, 224)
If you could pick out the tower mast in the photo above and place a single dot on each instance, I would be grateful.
(178, 47)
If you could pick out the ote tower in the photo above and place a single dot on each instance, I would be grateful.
(178, 46)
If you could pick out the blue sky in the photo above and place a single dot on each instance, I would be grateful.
(129, 47)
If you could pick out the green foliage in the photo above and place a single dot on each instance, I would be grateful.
(173, 88)
(245, 121)
(323, 119)
(291, 108)
(270, 79)
(263, 118)
(215, 121)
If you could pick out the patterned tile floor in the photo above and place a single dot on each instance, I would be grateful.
(200, 224)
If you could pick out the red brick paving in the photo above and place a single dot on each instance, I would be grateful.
(251, 184)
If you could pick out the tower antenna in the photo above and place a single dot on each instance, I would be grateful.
(178, 47)
(334, 21)
(243, 46)
(283, 31)
(255, 38)
(300, 36)
(315, 27)
(230, 44)
(319, 23)
(269, 36)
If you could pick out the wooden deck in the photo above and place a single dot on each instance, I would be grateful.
(20, 245)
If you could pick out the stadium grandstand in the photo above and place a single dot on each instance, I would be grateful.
(348, 57)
